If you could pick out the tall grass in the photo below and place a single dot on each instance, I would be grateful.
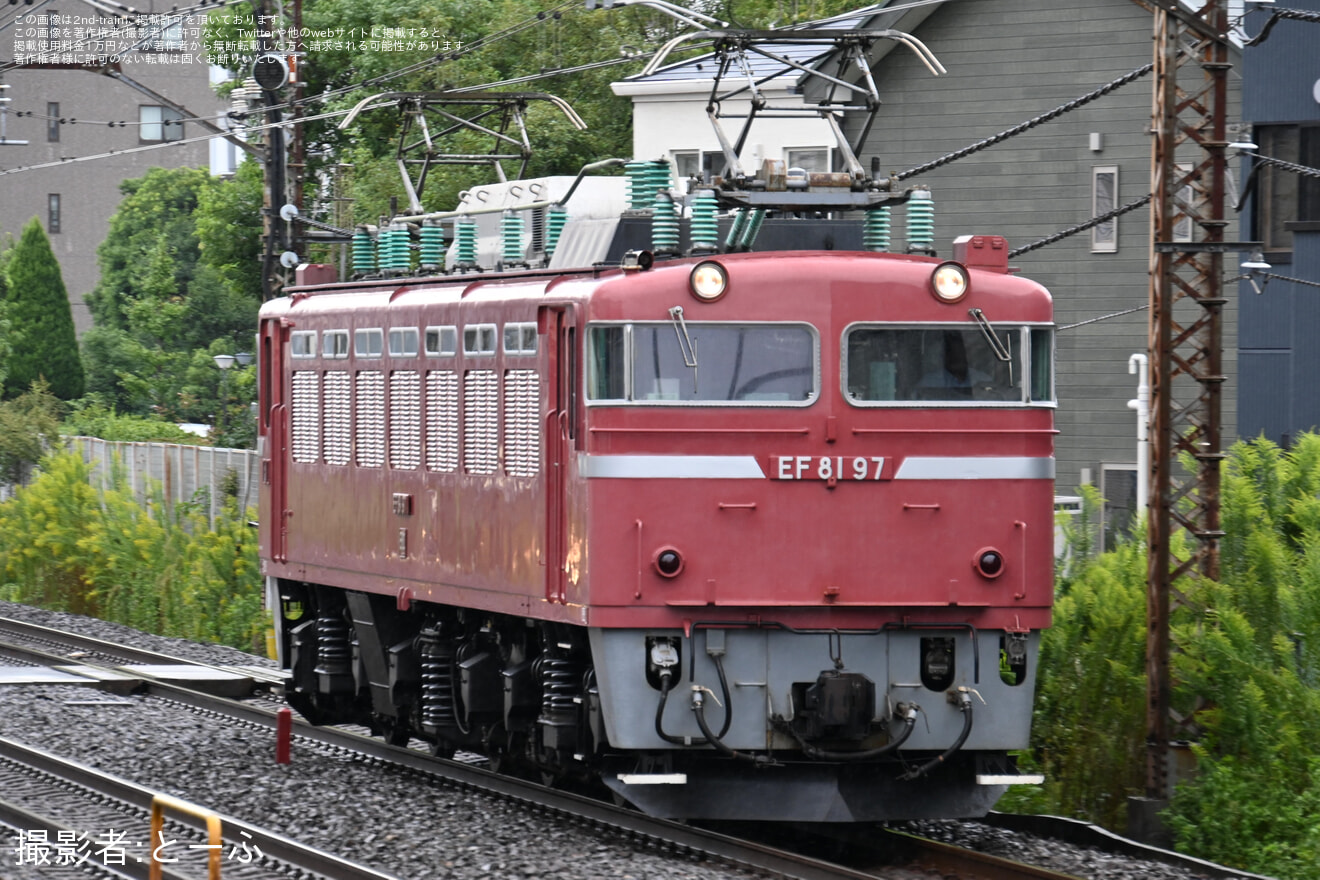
(159, 567)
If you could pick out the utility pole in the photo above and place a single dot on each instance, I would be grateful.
(271, 71)
(1185, 343)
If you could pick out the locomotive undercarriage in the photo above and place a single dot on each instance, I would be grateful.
(526, 694)
(519, 691)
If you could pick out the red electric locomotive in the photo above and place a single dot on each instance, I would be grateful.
(742, 535)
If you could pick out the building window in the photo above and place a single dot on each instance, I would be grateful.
(1183, 226)
(53, 122)
(53, 213)
(703, 164)
(1284, 198)
(157, 124)
(1104, 198)
(810, 160)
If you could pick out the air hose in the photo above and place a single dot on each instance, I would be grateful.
(964, 700)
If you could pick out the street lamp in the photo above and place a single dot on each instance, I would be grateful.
(224, 362)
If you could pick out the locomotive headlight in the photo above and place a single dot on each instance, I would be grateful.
(709, 281)
(949, 282)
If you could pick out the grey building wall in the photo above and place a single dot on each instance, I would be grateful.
(1009, 61)
(1280, 340)
(89, 190)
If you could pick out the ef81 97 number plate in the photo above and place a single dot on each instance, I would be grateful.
(827, 467)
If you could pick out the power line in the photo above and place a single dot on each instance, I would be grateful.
(1029, 124)
(1081, 227)
(1111, 315)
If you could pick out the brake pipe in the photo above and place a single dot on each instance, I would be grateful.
(699, 710)
(963, 699)
(667, 684)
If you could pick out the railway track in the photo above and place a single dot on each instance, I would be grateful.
(894, 857)
(93, 818)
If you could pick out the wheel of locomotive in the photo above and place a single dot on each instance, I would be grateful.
(498, 750)
(396, 731)
(441, 749)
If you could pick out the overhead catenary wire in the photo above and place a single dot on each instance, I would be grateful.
(1004, 135)
(1080, 227)
(1278, 15)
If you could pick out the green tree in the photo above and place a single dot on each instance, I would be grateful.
(179, 275)
(41, 334)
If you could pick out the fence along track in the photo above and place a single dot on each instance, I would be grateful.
(179, 471)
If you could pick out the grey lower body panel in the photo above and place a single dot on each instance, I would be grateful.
(805, 792)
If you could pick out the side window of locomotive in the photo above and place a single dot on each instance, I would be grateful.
(1042, 364)
(334, 344)
(520, 339)
(695, 362)
(368, 343)
(403, 342)
(441, 341)
(896, 365)
(479, 339)
(606, 364)
(302, 343)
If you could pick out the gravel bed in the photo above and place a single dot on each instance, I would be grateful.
(391, 820)
(1080, 861)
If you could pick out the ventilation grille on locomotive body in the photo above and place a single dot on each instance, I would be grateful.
(305, 417)
(405, 420)
(522, 439)
(480, 422)
(442, 421)
(370, 428)
(338, 443)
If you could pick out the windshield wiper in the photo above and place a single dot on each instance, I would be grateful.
(684, 340)
(996, 345)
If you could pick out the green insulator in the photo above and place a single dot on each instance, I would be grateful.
(364, 250)
(920, 221)
(555, 219)
(433, 245)
(736, 229)
(705, 228)
(645, 179)
(638, 198)
(400, 250)
(664, 224)
(465, 241)
(875, 232)
(752, 228)
(511, 232)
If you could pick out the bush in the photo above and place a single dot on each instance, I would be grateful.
(96, 420)
(158, 567)
(1246, 668)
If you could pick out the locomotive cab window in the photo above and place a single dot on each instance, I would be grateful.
(958, 365)
(677, 362)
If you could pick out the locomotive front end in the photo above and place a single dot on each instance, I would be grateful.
(817, 531)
